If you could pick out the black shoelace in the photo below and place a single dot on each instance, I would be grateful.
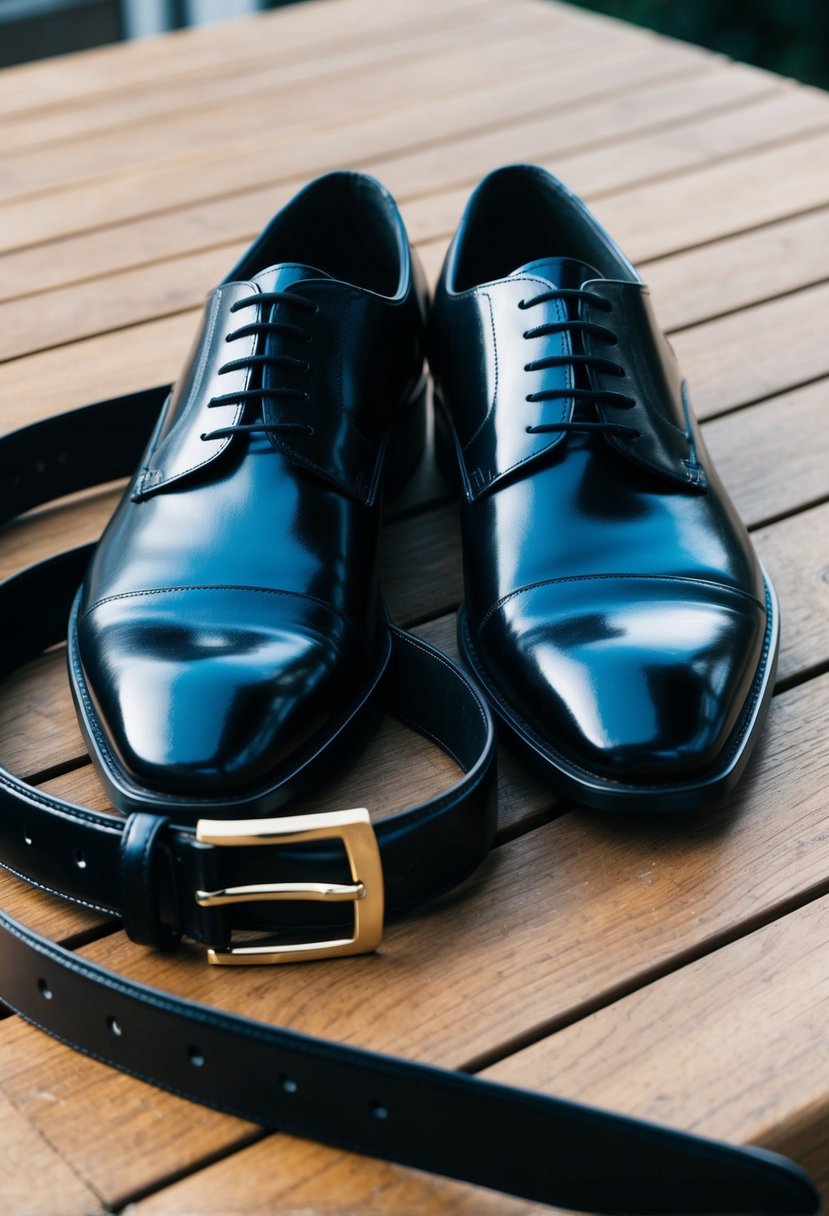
(289, 299)
(588, 395)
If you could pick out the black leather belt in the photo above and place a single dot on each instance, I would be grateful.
(328, 875)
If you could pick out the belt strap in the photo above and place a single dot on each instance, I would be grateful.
(143, 869)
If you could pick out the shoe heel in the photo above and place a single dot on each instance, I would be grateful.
(445, 455)
(408, 442)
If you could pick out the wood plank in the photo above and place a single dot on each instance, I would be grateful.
(726, 198)
(774, 457)
(302, 107)
(88, 309)
(38, 728)
(736, 1045)
(234, 220)
(631, 898)
(93, 370)
(755, 353)
(286, 1175)
(66, 1193)
(268, 158)
(741, 270)
(628, 902)
(195, 53)
(700, 205)
(256, 70)
(803, 588)
(682, 1051)
(172, 286)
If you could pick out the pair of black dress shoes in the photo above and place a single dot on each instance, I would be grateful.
(615, 612)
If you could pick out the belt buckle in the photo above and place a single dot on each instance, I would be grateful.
(353, 828)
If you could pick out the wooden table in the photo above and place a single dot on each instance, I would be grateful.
(673, 968)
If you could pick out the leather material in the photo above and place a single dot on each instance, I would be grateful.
(145, 868)
(541, 1148)
(614, 606)
(236, 583)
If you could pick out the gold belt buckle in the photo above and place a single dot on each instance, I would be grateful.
(365, 891)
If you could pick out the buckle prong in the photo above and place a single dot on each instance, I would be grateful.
(365, 892)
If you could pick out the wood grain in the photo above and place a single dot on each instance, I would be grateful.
(65, 1195)
(562, 919)
(262, 73)
(774, 457)
(756, 352)
(268, 158)
(682, 1051)
(671, 968)
(741, 270)
(303, 107)
(726, 198)
(652, 105)
(194, 54)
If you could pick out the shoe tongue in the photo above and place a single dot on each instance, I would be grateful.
(560, 272)
(277, 278)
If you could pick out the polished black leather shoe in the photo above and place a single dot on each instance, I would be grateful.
(227, 630)
(615, 610)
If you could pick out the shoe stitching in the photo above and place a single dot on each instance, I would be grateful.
(311, 599)
(581, 578)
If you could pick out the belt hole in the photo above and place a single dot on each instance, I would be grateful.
(45, 990)
(195, 1056)
(114, 1026)
(379, 1110)
(289, 1085)
(27, 838)
(79, 858)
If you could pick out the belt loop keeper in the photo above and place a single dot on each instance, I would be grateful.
(139, 883)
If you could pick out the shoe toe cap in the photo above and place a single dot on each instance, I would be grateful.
(640, 680)
(208, 691)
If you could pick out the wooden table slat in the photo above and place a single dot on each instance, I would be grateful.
(669, 968)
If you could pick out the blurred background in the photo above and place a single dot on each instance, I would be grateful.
(35, 29)
(788, 36)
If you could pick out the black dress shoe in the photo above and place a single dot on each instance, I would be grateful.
(227, 629)
(615, 610)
